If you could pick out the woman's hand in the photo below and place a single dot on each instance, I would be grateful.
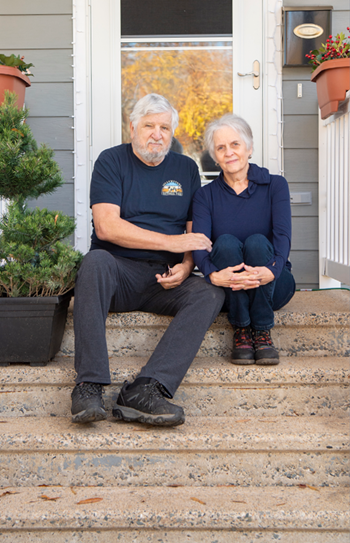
(262, 274)
(230, 278)
(251, 277)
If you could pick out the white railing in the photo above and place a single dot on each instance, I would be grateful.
(334, 198)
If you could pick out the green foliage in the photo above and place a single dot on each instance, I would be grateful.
(334, 48)
(33, 259)
(25, 170)
(16, 62)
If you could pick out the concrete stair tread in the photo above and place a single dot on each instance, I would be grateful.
(312, 324)
(279, 433)
(218, 507)
(304, 308)
(210, 370)
(59, 434)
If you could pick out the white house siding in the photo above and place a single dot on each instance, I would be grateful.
(41, 30)
(301, 151)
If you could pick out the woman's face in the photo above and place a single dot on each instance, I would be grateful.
(231, 152)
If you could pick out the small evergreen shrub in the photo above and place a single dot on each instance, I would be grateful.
(34, 259)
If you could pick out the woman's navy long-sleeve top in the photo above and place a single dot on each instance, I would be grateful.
(262, 208)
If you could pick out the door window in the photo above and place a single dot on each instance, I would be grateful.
(184, 62)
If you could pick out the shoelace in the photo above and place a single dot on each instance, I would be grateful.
(243, 337)
(90, 389)
(262, 338)
(154, 393)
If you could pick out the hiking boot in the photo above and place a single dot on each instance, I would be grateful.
(145, 402)
(87, 403)
(265, 352)
(243, 350)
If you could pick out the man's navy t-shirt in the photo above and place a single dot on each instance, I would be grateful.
(156, 198)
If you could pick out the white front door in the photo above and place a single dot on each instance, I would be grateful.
(113, 55)
(235, 77)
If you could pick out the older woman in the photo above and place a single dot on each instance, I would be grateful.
(246, 213)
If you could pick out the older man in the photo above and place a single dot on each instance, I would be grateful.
(140, 259)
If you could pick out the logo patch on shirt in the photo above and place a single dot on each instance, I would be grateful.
(172, 188)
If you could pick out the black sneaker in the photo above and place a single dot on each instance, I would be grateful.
(265, 352)
(87, 403)
(146, 403)
(243, 349)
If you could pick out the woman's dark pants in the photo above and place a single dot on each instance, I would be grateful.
(255, 306)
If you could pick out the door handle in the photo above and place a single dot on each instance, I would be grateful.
(255, 73)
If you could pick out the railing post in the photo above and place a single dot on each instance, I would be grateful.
(334, 198)
(323, 177)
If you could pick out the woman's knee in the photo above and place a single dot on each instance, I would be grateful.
(258, 250)
(227, 251)
(227, 241)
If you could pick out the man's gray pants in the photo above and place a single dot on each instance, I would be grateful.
(107, 283)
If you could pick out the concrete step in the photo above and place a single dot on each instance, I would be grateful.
(212, 387)
(263, 455)
(203, 452)
(217, 514)
(312, 324)
(161, 535)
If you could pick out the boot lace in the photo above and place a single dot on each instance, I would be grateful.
(243, 337)
(86, 390)
(262, 338)
(154, 395)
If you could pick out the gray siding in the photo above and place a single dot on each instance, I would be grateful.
(41, 30)
(301, 152)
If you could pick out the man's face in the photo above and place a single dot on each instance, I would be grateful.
(151, 139)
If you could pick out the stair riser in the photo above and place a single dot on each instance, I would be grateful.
(208, 400)
(176, 536)
(291, 341)
(259, 468)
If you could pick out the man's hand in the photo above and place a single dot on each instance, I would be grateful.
(189, 242)
(174, 276)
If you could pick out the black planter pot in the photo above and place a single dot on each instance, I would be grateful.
(31, 329)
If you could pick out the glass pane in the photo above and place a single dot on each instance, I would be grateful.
(197, 82)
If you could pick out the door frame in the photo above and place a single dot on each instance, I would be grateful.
(97, 92)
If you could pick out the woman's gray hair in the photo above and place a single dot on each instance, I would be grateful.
(237, 124)
(151, 104)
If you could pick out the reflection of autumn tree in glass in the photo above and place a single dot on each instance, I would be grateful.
(198, 83)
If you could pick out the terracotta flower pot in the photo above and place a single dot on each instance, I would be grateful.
(333, 80)
(14, 80)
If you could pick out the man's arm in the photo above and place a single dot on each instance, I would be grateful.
(178, 273)
(109, 226)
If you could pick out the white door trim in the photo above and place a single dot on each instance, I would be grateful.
(81, 122)
(272, 86)
(97, 94)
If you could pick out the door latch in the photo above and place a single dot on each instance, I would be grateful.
(255, 73)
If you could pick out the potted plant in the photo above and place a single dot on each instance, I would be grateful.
(14, 74)
(37, 269)
(331, 72)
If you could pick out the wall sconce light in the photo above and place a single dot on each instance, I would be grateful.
(305, 28)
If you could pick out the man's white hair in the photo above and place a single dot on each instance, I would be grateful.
(151, 104)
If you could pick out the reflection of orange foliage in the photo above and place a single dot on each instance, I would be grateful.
(197, 83)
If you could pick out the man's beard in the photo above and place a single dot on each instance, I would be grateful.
(150, 156)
